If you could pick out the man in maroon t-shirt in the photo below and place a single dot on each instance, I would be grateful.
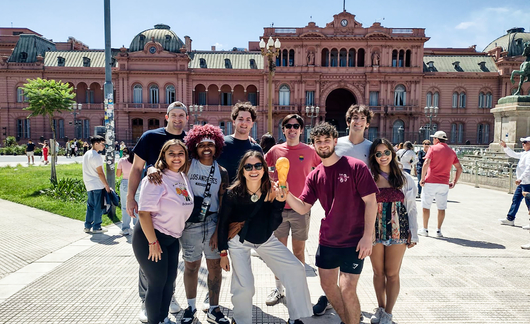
(346, 191)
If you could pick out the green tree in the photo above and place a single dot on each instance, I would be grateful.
(45, 98)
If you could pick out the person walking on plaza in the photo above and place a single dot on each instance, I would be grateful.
(256, 206)
(302, 159)
(419, 166)
(146, 153)
(347, 193)
(86, 147)
(522, 181)
(435, 179)
(163, 211)
(407, 157)
(45, 150)
(236, 145)
(95, 183)
(122, 147)
(30, 151)
(124, 169)
(396, 226)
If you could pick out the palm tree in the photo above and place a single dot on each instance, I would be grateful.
(45, 98)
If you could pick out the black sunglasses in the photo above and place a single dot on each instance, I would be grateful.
(379, 154)
(289, 126)
(248, 167)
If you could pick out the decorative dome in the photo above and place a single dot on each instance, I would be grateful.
(512, 42)
(161, 34)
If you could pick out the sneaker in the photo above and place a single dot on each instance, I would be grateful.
(505, 221)
(297, 321)
(87, 230)
(189, 316)
(418, 196)
(385, 318)
(376, 318)
(174, 306)
(216, 317)
(167, 321)
(99, 231)
(423, 232)
(125, 232)
(439, 233)
(321, 306)
(206, 303)
(142, 316)
(526, 227)
(526, 246)
(273, 298)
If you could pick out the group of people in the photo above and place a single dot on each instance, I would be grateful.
(218, 196)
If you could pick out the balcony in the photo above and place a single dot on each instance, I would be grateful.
(281, 109)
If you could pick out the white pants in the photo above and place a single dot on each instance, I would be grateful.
(283, 264)
(436, 191)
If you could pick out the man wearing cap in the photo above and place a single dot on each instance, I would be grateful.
(435, 179)
(522, 181)
(146, 153)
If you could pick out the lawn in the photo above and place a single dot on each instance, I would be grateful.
(23, 185)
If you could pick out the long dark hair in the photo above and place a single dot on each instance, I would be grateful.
(239, 186)
(161, 163)
(396, 178)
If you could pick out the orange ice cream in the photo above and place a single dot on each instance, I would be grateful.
(282, 168)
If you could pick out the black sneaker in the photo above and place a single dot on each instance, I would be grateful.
(189, 316)
(321, 306)
(295, 321)
(216, 317)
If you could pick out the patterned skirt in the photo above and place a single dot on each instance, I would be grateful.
(392, 222)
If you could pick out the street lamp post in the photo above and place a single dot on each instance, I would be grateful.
(76, 109)
(270, 51)
(196, 111)
(311, 112)
(401, 133)
(431, 112)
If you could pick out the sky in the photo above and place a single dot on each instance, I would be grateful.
(233, 23)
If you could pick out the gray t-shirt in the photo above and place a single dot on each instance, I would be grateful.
(359, 151)
(198, 175)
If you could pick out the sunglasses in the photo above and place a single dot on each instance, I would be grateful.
(385, 152)
(248, 167)
(289, 126)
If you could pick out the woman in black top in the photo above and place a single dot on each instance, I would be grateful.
(253, 200)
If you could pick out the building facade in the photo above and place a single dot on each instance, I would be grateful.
(332, 67)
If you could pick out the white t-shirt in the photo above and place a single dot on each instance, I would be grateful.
(92, 160)
(359, 151)
(407, 158)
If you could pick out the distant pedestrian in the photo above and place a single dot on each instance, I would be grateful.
(406, 156)
(122, 147)
(435, 179)
(86, 147)
(30, 151)
(73, 148)
(421, 159)
(45, 150)
(123, 169)
(95, 183)
(522, 179)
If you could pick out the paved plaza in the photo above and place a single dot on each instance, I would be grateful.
(51, 272)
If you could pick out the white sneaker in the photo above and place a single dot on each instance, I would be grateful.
(174, 307)
(100, 231)
(125, 232)
(423, 232)
(505, 221)
(274, 297)
(526, 227)
(376, 318)
(526, 246)
(439, 233)
(142, 316)
(385, 318)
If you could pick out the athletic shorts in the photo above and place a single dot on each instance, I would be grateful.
(195, 240)
(30, 153)
(298, 224)
(433, 191)
(345, 258)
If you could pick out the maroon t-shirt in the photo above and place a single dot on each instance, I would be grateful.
(340, 189)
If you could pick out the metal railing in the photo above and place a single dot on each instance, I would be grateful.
(484, 172)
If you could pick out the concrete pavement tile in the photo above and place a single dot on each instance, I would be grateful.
(64, 254)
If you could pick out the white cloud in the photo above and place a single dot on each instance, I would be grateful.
(465, 25)
(218, 46)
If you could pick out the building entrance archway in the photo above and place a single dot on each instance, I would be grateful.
(337, 103)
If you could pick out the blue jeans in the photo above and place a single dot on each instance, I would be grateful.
(94, 209)
(418, 174)
(125, 218)
(516, 200)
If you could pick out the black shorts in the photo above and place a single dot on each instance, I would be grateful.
(345, 258)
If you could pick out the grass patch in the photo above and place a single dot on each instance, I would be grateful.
(26, 186)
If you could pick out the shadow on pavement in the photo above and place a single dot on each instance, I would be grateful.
(475, 244)
(105, 239)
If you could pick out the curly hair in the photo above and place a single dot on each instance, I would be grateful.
(361, 110)
(199, 132)
(244, 106)
(324, 129)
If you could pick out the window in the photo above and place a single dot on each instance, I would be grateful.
(253, 64)
(372, 133)
(310, 98)
(435, 99)
(90, 96)
(285, 95)
(397, 134)
(401, 58)
(489, 100)
(202, 98)
(23, 57)
(137, 94)
(23, 128)
(226, 127)
(374, 98)
(455, 99)
(428, 102)
(279, 59)
(462, 100)
(407, 58)
(483, 136)
(325, 57)
(86, 128)
(60, 61)
(457, 133)
(254, 131)
(170, 94)
(360, 57)
(342, 57)
(58, 125)
(226, 98)
(203, 64)
(228, 64)
(86, 62)
(285, 57)
(485, 100)
(153, 124)
(253, 98)
(281, 135)
(394, 58)
(291, 57)
(20, 95)
(334, 57)
(153, 94)
(400, 96)
(351, 58)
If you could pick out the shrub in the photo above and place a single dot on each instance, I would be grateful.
(67, 189)
(10, 141)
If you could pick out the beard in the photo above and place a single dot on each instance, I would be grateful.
(326, 155)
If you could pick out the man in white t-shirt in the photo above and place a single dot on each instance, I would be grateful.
(358, 118)
(95, 182)
(407, 157)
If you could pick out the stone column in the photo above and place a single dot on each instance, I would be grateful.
(512, 121)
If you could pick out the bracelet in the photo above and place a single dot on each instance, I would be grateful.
(224, 253)
(154, 243)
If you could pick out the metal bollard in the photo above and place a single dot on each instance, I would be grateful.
(476, 173)
(510, 191)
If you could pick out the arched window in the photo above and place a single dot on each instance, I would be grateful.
(137, 94)
(325, 57)
(20, 95)
(400, 96)
(407, 58)
(435, 99)
(394, 58)
(360, 57)
(284, 57)
(397, 134)
(342, 57)
(170, 94)
(455, 100)
(279, 59)
(153, 94)
(153, 123)
(489, 100)
(285, 95)
(481, 100)
(291, 57)
(334, 57)
(428, 100)
(351, 58)
(462, 100)
(483, 133)
(202, 63)
(401, 58)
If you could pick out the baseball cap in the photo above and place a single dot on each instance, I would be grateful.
(525, 139)
(177, 105)
(440, 135)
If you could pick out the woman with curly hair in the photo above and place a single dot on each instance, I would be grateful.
(395, 226)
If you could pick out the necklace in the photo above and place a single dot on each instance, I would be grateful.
(254, 197)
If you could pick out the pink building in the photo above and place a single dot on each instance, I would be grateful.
(331, 67)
